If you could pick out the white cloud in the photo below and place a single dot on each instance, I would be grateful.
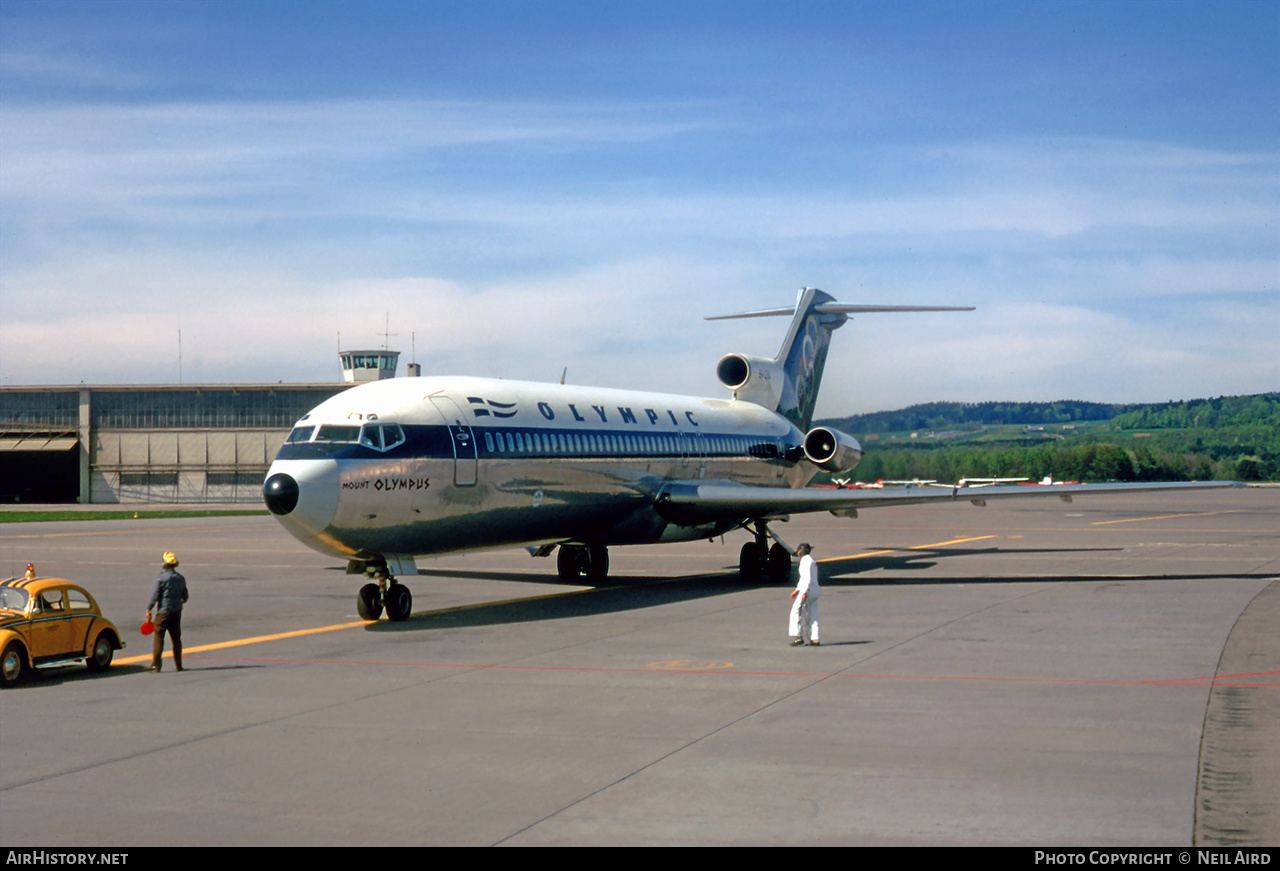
(261, 230)
(23, 61)
(1045, 352)
(118, 319)
(182, 150)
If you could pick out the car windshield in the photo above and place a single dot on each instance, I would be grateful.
(13, 599)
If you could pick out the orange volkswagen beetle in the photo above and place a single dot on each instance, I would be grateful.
(49, 621)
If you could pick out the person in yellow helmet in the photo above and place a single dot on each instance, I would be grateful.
(167, 598)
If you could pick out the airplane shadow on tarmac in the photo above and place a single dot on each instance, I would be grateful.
(852, 571)
(638, 592)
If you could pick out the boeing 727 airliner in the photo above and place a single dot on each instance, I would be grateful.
(392, 470)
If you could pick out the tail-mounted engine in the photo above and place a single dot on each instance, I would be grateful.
(752, 379)
(831, 450)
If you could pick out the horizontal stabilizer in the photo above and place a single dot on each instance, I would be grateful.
(844, 308)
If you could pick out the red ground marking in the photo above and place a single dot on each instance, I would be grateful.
(1247, 679)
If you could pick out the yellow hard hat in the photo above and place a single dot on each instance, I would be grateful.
(170, 559)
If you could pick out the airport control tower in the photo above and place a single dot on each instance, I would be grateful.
(360, 366)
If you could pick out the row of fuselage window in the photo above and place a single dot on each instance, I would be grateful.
(543, 443)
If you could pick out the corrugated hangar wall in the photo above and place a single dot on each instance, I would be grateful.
(168, 443)
(181, 466)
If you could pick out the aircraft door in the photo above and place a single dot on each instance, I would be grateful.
(463, 439)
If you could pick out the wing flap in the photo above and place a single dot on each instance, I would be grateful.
(690, 502)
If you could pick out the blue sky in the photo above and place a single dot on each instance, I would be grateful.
(521, 187)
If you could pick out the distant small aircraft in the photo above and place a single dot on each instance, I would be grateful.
(391, 470)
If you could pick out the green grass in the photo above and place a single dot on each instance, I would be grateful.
(118, 514)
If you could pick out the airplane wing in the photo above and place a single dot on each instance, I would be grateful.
(701, 501)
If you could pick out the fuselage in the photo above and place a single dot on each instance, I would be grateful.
(431, 465)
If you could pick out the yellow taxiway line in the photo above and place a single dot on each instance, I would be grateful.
(832, 559)
(1163, 517)
(240, 642)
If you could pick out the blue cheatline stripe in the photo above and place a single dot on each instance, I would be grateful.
(436, 442)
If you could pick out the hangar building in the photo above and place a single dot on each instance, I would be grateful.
(156, 443)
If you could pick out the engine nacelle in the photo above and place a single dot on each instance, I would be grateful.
(831, 450)
(751, 379)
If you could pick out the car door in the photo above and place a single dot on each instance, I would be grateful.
(50, 628)
(80, 618)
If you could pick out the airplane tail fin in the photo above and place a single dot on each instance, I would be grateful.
(789, 383)
(803, 355)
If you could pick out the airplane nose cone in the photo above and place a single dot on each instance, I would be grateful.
(280, 492)
(303, 496)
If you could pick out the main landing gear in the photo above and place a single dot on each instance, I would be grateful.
(759, 562)
(579, 562)
(386, 593)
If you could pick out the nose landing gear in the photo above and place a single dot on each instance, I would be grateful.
(386, 593)
(398, 601)
(369, 603)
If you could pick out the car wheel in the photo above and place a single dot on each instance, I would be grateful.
(103, 651)
(13, 665)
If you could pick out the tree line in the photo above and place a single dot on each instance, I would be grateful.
(1229, 437)
(962, 415)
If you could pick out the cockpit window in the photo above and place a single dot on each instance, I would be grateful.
(333, 433)
(382, 437)
(301, 434)
(392, 435)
